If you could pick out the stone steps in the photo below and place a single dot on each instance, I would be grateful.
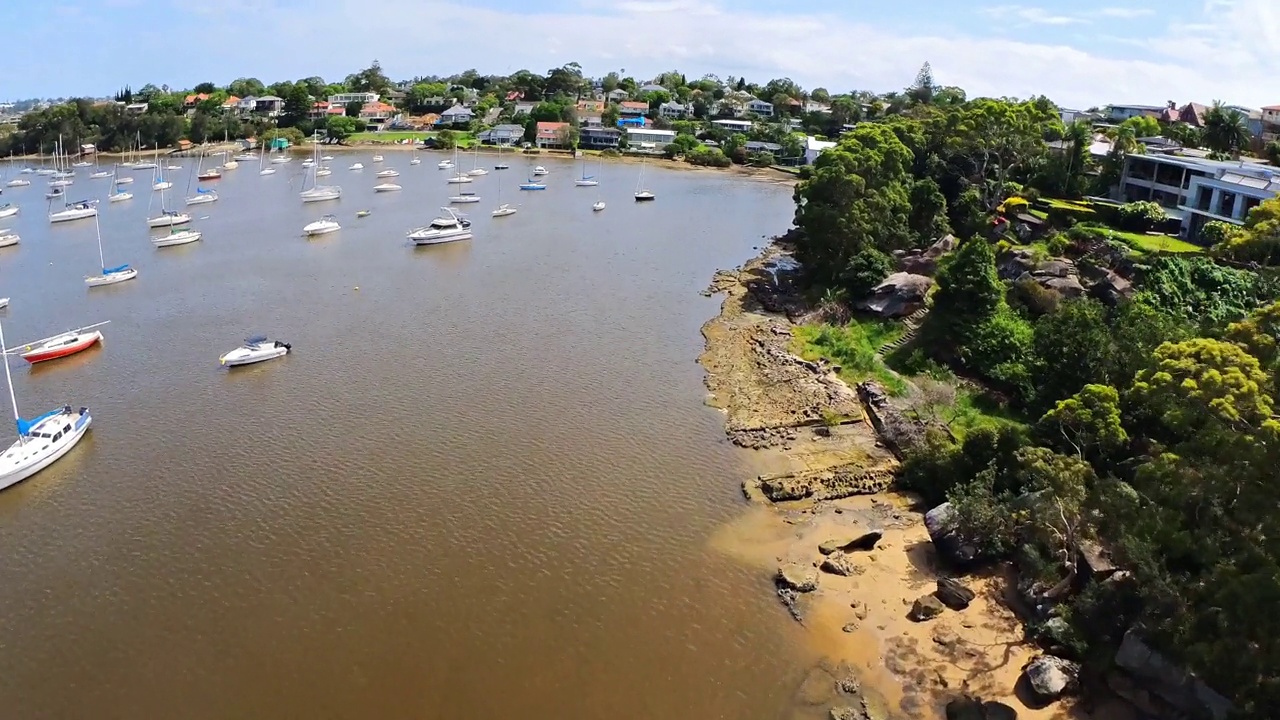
(912, 323)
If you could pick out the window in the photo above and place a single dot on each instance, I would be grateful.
(67, 429)
(57, 436)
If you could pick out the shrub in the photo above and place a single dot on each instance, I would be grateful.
(760, 159)
(1140, 216)
(1217, 231)
(610, 153)
(1013, 206)
(1058, 244)
(867, 268)
(1033, 298)
(1031, 194)
(707, 156)
(1066, 216)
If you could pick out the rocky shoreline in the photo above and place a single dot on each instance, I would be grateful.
(851, 560)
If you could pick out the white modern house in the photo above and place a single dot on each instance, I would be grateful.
(760, 107)
(1196, 190)
(813, 147)
(673, 110)
(350, 97)
(648, 138)
(1120, 113)
(740, 126)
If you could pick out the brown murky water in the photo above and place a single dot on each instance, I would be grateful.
(480, 487)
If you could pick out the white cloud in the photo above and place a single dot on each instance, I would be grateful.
(1125, 13)
(1027, 15)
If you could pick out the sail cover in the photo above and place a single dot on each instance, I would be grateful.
(202, 191)
(24, 426)
(118, 268)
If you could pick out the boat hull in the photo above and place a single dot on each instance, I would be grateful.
(111, 278)
(239, 357)
(44, 354)
(69, 215)
(24, 459)
(428, 239)
(181, 238)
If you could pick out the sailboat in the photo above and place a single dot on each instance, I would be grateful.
(475, 162)
(118, 195)
(459, 178)
(503, 209)
(112, 275)
(586, 180)
(167, 217)
(264, 169)
(42, 440)
(75, 211)
(414, 159)
(500, 165)
(642, 195)
(98, 173)
(160, 183)
(210, 174)
(318, 192)
(17, 182)
(202, 195)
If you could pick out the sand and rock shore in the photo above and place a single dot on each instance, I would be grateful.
(894, 635)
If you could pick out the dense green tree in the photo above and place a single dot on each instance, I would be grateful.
(1203, 382)
(370, 79)
(340, 127)
(247, 87)
(1225, 129)
(928, 210)
(1079, 331)
(1259, 240)
(1087, 423)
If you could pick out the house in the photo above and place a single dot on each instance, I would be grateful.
(590, 107)
(599, 138)
(1071, 117)
(1192, 114)
(457, 115)
(651, 87)
(320, 109)
(1120, 113)
(191, 101)
(1197, 190)
(394, 96)
(523, 107)
(136, 108)
(648, 138)
(1252, 117)
(673, 110)
(737, 126)
(515, 95)
(757, 146)
(506, 134)
(814, 106)
(590, 121)
(246, 104)
(633, 121)
(363, 98)
(616, 95)
(551, 135)
(377, 112)
(632, 108)
(184, 144)
(231, 103)
(760, 107)
(813, 147)
(269, 105)
(1270, 123)
(88, 149)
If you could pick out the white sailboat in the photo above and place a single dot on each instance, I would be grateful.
(176, 237)
(586, 180)
(8, 239)
(264, 169)
(41, 440)
(75, 211)
(118, 195)
(160, 183)
(167, 217)
(109, 275)
(387, 187)
(475, 162)
(202, 195)
(318, 192)
(503, 209)
(414, 159)
(642, 194)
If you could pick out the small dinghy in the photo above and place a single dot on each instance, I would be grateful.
(377, 158)
(539, 170)
(362, 213)
(598, 206)
(8, 210)
(255, 350)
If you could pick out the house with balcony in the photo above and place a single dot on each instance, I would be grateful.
(649, 139)
(268, 105)
(551, 135)
(590, 121)
(736, 126)
(599, 138)
(813, 147)
(759, 107)
(616, 95)
(631, 108)
(189, 102)
(673, 110)
(363, 98)
(457, 115)
(136, 108)
(232, 103)
(506, 134)
(1196, 190)
(524, 107)
(376, 112)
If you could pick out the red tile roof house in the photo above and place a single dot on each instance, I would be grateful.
(549, 135)
(627, 107)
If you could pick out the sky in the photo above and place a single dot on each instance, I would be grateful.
(1081, 54)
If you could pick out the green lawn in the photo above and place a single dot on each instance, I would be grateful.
(1065, 204)
(1157, 243)
(391, 136)
(852, 347)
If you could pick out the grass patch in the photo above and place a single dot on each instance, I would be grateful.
(975, 409)
(390, 136)
(1065, 204)
(1038, 214)
(1156, 243)
(852, 347)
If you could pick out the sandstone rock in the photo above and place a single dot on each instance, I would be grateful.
(786, 488)
(850, 627)
(940, 522)
(797, 577)
(1013, 264)
(842, 564)
(1165, 680)
(849, 713)
(926, 608)
(1065, 286)
(1053, 267)
(898, 295)
(818, 686)
(953, 594)
(865, 541)
(1049, 677)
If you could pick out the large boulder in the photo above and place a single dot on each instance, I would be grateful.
(1053, 267)
(953, 594)
(941, 524)
(839, 563)
(927, 607)
(1014, 263)
(786, 487)
(968, 707)
(917, 262)
(797, 577)
(1049, 678)
(1174, 685)
(1067, 287)
(898, 295)
(864, 541)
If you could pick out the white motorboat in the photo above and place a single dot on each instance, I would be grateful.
(75, 211)
(4, 303)
(171, 166)
(539, 170)
(387, 187)
(449, 227)
(81, 163)
(41, 440)
(119, 196)
(323, 226)
(475, 172)
(280, 159)
(465, 197)
(61, 183)
(377, 158)
(124, 180)
(598, 206)
(415, 161)
(8, 238)
(176, 237)
(18, 182)
(445, 164)
(387, 173)
(267, 171)
(245, 157)
(8, 210)
(100, 175)
(504, 210)
(203, 196)
(308, 163)
(458, 180)
(356, 166)
(230, 165)
(254, 350)
(169, 218)
(327, 158)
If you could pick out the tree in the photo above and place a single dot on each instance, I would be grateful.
(353, 109)
(204, 88)
(370, 79)
(1143, 125)
(1199, 383)
(246, 87)
(1225, 129)
(567, 136)
(922, 90)
(565, 80)
(1259, 335)
(995, 138)
(297, 106)
(928, 210)
(340, 127)
(866, 270)
(446, 139)
(609, 118)
(1259, 240)
(820, 95)
(1078, 330)
(1086, 423)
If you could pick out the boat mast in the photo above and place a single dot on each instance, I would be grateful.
(8, 378)
(98, 229)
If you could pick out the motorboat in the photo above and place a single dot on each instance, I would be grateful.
(55, 193)
(281, 159)
(119, 196)
(449, 227)
(176, 237)
(60, 345)
(539, 170)
(61, 183)
(459, 179)
(245, 157)
(8, 238)
(203, 196)
(41, 441)
(598, 206)
(389, 172)
(230, 165)
(267, 171)
(363, 213)
(8, 210)
(387, 187)
(124, 180)
(323, 226)
(308, 163)
(323, 171)
(169, 218)
(111, 276)
(503, 211)
(75, 211)
(254, 350)
(643, 196)
(320, 193)
(501, 166)
(81, 163)
(377, 158)
(465, 197)
(18, 182)
(445, 164)
(327, 158)
(415, 161)
(172, 166)
(100, 175)
(477, 171)
(210, 174)
(356, 166)
(4, 303)
(531, 185)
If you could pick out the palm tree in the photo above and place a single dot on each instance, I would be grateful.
(1225, 129)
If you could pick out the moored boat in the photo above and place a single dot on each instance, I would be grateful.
(448, 227)
(387, 187)
(255, 350)
(323, 226)
(42, 440)
(60, 345)
(176, 237)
